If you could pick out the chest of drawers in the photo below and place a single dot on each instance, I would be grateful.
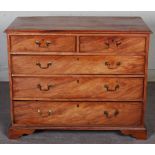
(78, 73)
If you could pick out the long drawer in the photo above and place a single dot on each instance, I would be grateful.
(104, 88)
(77, 113)
(116, 44)
(48, 65)
(43, 43)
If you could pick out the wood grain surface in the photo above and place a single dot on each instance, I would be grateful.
(116, 44)
(78, 73)
(78, 113)
(78, 88)
(42, 43)
(50, 65)
(78, 23)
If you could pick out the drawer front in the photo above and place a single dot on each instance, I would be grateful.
(112, 44)
(48, 65)
(78, 113)
(78, 88)
(43, 43)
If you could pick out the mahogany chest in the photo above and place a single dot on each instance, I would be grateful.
(78, 73)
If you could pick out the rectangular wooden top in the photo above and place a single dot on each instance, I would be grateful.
(78, 23)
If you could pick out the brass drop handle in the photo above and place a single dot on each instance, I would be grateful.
(110, 114)
(44, 67)
(107, 44)
(111, 42)
(111, 65)
(45, 88)
(111, 90)
(42, 43)
(44, 114)
(48, 42)
(118, 43)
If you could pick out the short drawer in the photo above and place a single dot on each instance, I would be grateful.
(78, 88)
(49, 65)
(77, 113)
(116, 44)
(34, 43)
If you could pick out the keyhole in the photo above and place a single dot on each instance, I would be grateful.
(77, 81)
(77, 105)
(77, 59)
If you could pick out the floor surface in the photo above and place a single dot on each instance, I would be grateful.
(75, 137)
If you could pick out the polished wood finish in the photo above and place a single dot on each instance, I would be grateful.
(42, 43)
(77, 113)
(51, 65)
(15, 133)
(139, 134)
(91, 24)
(116, 44)
(79, 88)
(78, 73)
